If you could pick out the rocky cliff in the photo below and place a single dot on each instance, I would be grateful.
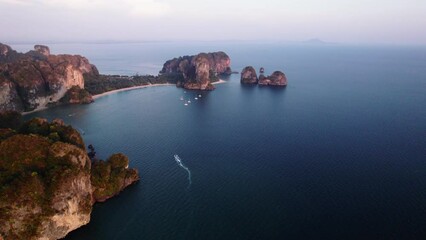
(198, 71)
(249, 76)
(37, 78)
(47, 183)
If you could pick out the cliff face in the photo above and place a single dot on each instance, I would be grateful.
(35, 79)
(198, 71)
(46, 180)
(46, 189)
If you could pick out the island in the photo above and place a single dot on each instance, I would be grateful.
(48, 183)
(197, 72)
(249, 76)
(38, 79)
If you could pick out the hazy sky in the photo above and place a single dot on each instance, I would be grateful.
(346, 21)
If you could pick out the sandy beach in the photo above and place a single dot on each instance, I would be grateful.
(122, 90)
(219, 82)
(144, 86)
(131, 88)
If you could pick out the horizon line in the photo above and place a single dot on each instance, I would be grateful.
(312, 41)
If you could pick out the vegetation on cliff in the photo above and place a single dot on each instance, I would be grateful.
(111, 176)
(47, 181)
(44, 179)
(105, 83)
(10, 119)
(77, 95)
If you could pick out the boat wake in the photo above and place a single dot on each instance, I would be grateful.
(179, 161)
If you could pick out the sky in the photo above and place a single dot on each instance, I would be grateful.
(341, 21)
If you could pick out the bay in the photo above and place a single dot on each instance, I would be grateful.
(339, 153)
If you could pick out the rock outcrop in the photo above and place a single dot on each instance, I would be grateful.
(249, 76)
(46, 180)
(35, 79)
(76, 95)
(111, 176)
(199, 71)
(277, 78)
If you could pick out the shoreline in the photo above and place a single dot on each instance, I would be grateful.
(35, 110)
(120, 90)
(131, 88)
(219, 82)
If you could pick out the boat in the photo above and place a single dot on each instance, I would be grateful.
(189, 101)
(181, 98)
(177, 158)
(199, 95)
(196, 98)
(186, 104)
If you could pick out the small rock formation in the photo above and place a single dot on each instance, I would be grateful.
(111, 176)
(35, 79)
(76, 95)
(199, 71)
(277, 78)
(48, 184)
(249, 76)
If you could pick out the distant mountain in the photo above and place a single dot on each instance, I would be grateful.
(315, 41)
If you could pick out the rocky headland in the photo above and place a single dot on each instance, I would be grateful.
(48, 183)
(35, 79)
(197, 72)
(249, 76)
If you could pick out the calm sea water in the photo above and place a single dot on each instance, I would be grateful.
(338, 154)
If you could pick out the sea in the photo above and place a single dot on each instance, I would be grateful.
(340, 153)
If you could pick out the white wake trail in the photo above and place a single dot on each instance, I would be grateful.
(179, 161)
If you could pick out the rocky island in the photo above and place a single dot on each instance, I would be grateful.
(48, 183)
(199, 71)
(249, 76)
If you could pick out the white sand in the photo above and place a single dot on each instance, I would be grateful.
(219, 82)
(144, 86)
(35, 110)
(122, 90)
(131, 88)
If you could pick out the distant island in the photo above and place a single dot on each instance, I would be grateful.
(38, 79)
(48, 183)
(315, 41)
